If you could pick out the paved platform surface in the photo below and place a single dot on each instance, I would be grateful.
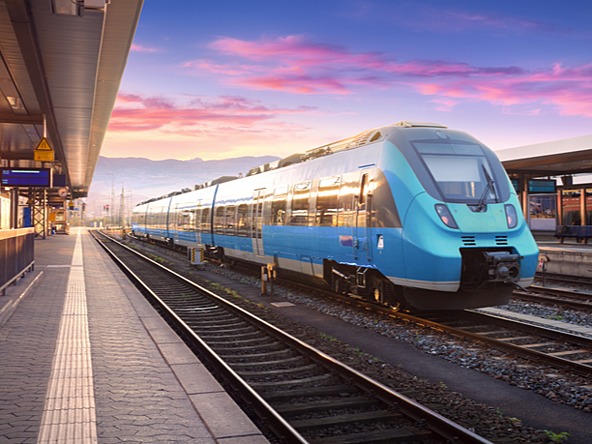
(569, 258)
(582, 330)
(85, 359)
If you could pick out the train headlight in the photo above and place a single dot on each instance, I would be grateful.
(511, 216)
(446, 216)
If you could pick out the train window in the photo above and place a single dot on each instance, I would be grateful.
(205, 220)
(300, 204)
(162, 220)
(194, 218)
(242, 215)
(198, 219)
(362, 207)
(363, 190)
(460, 172)
(184, 220)
(326, 206)
(345, 208)
(383, 211)
(461, 177)
(219, 220)
(230, 220)
(278, 206)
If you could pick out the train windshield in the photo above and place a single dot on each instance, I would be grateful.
(461, 172)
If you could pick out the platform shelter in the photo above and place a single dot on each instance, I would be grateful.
(554, 181)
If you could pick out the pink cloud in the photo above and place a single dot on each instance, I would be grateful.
(141, 48)
(295, 65)
(296, 84)
(290, 64)
(293, 55)
(293, 48)
(133, 112)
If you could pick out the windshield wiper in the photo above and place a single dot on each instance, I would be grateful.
(490, 187)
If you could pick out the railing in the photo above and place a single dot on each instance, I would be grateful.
(17, 255)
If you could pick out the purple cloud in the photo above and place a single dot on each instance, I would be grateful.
(297, 66)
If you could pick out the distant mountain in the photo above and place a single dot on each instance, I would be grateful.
(140, 179)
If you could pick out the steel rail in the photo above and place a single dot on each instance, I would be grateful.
(556, 296)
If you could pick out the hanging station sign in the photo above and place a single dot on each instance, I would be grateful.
(43, 152)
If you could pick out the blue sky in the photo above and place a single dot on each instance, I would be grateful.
(220, 79)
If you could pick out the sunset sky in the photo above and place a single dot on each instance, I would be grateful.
(219, 79)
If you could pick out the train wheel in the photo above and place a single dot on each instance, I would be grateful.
(378, 292)
(384, 293)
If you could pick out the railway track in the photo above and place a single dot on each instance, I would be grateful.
(554, 348)
(301, 393)
(567, 298)
(571, 299)
(564, 279)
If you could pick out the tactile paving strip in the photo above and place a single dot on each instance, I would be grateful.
(69, 415)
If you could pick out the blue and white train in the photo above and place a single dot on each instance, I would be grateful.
(411, 214)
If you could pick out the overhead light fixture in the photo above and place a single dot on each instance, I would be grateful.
(15, 103)
(66, 7)
(96, 5)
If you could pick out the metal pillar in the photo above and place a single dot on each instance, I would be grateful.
(14, 206)
(38, 202)
(525, 199)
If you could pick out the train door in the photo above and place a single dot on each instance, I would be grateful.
(362, 221)
(175, 222)
(197, 223)
(257, 221)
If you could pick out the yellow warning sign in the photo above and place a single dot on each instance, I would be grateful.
(43, 152)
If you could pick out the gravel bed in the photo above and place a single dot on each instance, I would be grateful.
(558, 386)
(484, 420)
(487, 421)
(575, 317)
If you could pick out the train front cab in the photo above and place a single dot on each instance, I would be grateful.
(475, 265)
(466, 226)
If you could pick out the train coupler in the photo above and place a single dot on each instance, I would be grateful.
(502, 266)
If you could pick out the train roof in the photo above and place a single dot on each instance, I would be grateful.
(364, 138)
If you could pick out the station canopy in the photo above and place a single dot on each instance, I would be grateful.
(61, 63)
(557, 158)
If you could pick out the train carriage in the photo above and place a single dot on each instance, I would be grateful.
(408, 215)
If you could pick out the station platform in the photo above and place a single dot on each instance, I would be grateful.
(569, 258)
(86, 359)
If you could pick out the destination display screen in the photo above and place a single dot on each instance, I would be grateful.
(26, 177)
(542, 186)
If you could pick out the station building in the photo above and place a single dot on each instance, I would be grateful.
(553, 180)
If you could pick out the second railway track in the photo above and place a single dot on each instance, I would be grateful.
(571, 299)
(303, 394)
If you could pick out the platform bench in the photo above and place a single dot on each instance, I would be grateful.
(581, 233)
